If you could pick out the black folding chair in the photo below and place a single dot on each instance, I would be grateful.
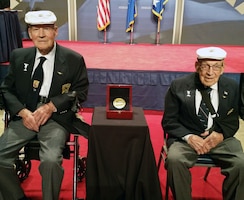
(202, 161)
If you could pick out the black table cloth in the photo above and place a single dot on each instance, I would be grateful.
(120, 162)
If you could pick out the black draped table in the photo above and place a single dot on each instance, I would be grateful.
(121, 163)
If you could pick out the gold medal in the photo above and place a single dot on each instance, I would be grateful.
(36, 84)
(119, 103)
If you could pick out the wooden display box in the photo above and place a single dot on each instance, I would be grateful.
(119, 102)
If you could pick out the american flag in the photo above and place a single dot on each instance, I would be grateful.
(158, 8)
(103, 14)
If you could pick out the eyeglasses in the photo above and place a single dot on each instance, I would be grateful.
(46, 28)
(205, 67)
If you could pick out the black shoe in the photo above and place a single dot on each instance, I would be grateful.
(24, 198)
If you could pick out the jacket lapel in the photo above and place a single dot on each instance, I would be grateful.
(27, 67)
(58, 72)
(223, 96)
(190, 96)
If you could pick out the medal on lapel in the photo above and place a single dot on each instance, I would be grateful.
(35, 84)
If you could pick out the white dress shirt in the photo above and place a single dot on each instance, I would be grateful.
(214, 97)
(48, 67)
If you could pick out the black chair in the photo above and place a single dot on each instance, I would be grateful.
(31, 152)
(202, 161)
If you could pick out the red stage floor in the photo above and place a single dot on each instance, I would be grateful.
(121, 56)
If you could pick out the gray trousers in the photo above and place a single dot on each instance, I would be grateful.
(52, 138)
(229, 156)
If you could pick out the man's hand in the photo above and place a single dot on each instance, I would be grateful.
(213, 140)
(197, 143)
(43, 113)
(201, 145)
(28, 120)
(34, 120)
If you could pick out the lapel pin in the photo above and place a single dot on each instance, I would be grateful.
(225, 94)
(188, 93)
(25, 67)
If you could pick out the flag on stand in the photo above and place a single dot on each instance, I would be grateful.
(158, 8)
(103, 14)
(131, 14)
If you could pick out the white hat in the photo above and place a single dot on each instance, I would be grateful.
(40, 17)
(215, 53)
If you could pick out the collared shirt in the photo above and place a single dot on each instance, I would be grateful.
(214, 97)
(48, 67)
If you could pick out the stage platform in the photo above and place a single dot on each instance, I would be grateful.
(148, 68)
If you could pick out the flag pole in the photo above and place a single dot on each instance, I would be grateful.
(105, 36)
(131, 34)
(158, 32)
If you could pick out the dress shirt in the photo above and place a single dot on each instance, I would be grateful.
(214, 97)
(48, 67)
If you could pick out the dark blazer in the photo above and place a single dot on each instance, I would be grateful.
(180, 116)
(69, 82)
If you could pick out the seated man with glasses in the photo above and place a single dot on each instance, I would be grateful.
(201, 117)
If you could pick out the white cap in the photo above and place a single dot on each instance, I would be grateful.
(215, 53)
(40, 17)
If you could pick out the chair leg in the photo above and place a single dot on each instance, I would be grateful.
(75, 144)
(75, 179)
(167, 189)
(206, 174)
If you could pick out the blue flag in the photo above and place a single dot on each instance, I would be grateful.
(131, 14)
(158, 8)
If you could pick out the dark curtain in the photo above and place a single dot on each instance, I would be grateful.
(4, 4)
(10, 34)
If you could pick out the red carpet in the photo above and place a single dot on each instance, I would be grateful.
(167, 57)
(210, 190)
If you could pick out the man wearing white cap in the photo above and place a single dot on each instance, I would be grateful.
(41, 90)
(193, 130)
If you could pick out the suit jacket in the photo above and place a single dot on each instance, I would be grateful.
(180, 116)
(69, 84)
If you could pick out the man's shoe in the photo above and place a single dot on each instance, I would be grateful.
(24, 198)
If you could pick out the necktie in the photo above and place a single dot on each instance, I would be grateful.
(203, 109)
(36, 82)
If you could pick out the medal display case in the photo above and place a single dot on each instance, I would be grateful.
(119, 102)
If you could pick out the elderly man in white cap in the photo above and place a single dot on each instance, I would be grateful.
(194, 128)
(43, 85)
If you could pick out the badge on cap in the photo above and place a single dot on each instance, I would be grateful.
(40, 17)
(215, 53)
